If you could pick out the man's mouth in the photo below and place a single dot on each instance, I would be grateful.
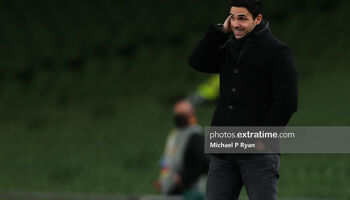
(238, 31)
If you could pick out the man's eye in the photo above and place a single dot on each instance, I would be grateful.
(242, 19)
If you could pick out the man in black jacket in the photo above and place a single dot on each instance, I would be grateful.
(258, 87)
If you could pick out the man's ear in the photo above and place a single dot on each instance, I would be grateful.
(258, 19)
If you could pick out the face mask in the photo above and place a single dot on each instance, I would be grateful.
(180, 120)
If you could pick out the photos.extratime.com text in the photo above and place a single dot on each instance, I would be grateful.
(251, 135)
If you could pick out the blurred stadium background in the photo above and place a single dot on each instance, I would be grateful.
(87, 86)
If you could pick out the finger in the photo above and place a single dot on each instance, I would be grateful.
(227, 19)
(227, 24)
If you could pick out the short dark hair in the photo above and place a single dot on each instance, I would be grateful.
(255, 7)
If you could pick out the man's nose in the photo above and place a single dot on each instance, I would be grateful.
(235, 24)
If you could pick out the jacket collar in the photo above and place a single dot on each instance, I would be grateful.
(258, 31)
(262, 27)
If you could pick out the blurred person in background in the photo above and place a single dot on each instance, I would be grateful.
(258, 87)
(184, 162)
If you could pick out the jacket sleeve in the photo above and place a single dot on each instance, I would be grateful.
(206, 55)
(285, 88)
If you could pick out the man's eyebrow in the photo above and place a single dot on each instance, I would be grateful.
(240, 15)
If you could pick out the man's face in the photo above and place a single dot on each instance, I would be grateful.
(242, 21)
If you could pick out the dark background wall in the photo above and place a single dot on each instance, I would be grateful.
(86, 89)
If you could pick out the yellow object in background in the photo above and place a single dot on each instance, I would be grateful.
(209, 90)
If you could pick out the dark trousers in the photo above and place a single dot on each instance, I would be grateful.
(257, 172)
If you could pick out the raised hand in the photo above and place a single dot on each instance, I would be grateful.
(227, 25)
